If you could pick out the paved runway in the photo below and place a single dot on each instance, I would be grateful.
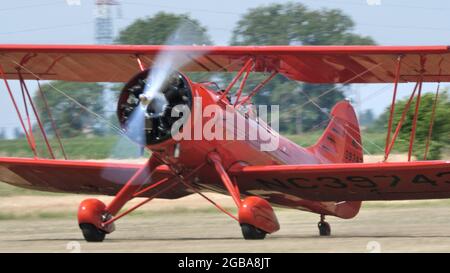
(379, 228)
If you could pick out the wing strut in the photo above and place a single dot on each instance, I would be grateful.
(400, 123)
(242, 84)
(24, 88)
(145, 201)
(30, 143)
(27, 100)
(257, 88)
(52, 120)
(433, 115)
(246, 66)
(133, 189)
(417, 88)
(414, 125)
(394, 96)
(95, 216)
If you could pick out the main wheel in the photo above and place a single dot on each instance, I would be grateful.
(91, 233)
(252, 233)
(324, 229)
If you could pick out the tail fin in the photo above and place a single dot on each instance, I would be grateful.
(341, 143)
(341, 140)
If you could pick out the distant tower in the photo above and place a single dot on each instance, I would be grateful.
(104, 30)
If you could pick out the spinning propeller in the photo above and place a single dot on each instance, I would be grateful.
(146, 102)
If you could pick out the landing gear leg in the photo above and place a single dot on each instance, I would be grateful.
(255, 215)
(96, 219)
(324, 227)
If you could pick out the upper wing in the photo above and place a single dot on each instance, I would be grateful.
(315, 64)
(350, 182)
(78, 176)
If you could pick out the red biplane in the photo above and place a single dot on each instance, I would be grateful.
(328, 178)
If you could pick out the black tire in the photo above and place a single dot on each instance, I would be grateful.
(91, 233)
(252, 233)
(324, 229)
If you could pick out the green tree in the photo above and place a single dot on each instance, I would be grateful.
(366, 118)
(440, 131)
(160, 28)
(71, 119)
(295, 24)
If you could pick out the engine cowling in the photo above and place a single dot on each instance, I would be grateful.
(158, 121)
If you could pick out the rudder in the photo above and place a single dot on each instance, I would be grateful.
(341, 143)
(341, 140)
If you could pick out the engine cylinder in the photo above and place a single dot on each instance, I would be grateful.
(175, 90)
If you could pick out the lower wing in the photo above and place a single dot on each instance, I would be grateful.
(72, 176)
(349, 182)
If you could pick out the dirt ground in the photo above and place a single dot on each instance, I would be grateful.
(190, 225)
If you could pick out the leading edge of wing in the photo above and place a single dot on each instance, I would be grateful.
(95, 164)
(250, 50)
(74, 176)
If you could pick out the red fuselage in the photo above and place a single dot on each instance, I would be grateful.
(234, 153)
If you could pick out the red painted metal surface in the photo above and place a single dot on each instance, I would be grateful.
(414, 123)
(257, 89)
(341, 140)
(245, 68)
(169, 186)
(259, 213)
(337, 64)
(74, 176)
(153, 185)
(430, 128)
(392, 110)
(139, 178)
(140, 64)
(242, 85)
(350, 182)
(27, 114)
(217, 162)
(36, 115)
(91, 211)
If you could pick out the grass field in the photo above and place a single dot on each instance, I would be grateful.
(373, 143)
(75, 148)
(115, 147)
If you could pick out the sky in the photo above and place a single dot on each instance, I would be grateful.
(388, 22)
